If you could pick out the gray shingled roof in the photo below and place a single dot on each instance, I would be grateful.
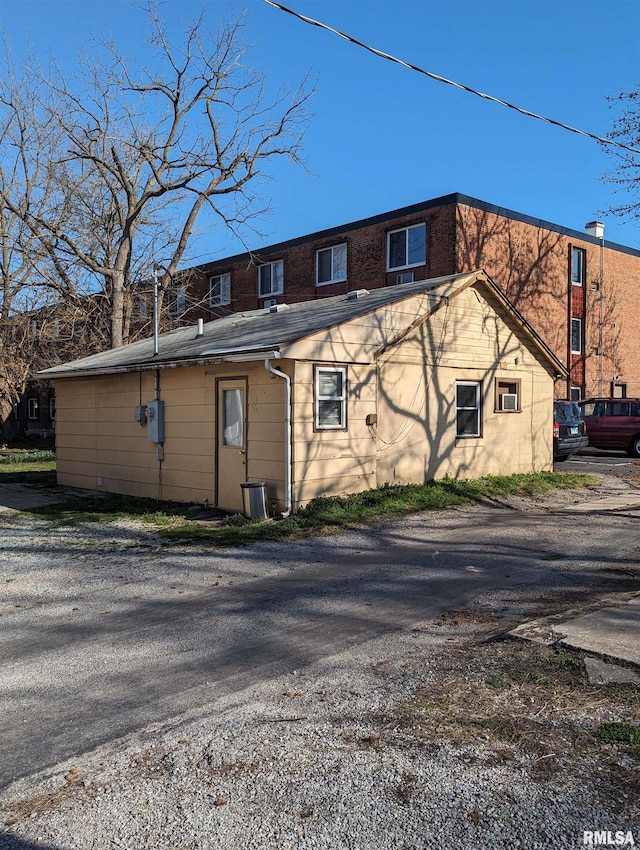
(256, 331)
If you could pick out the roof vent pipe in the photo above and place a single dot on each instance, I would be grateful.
(357, 293)
(200, 328)
(595, 228)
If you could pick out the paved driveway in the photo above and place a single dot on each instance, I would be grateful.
(103, 630)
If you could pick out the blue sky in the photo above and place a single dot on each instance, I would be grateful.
(384, 137)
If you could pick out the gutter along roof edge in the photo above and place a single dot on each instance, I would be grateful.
(128, 368)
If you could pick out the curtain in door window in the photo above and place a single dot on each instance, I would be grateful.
(233, 418)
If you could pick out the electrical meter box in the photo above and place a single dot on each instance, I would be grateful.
(155, 421)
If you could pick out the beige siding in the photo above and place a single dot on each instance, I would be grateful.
(410, 387)
(265, 433)
(76, 433)
(470, 340)
(332, 463)
(359, 339)
(101, 447)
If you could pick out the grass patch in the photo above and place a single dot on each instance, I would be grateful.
(11, 457)
(36, 467)
(175, 522)
(623, 733)
(109, 508)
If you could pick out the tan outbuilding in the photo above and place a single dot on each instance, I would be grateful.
(397, 385)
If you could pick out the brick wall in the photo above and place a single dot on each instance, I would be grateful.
(532, 264)
(366, 263)
(530, 260)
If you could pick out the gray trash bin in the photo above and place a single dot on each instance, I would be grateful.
(254, 502)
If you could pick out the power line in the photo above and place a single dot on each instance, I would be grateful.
(440, 79)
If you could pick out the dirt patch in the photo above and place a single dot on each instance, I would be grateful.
(49, 801)
(517, 699)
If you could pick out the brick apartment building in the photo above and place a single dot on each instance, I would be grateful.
(578, 291)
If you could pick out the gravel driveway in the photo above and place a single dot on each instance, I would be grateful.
(328, 693)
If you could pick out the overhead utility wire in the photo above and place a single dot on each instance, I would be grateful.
(440, 79)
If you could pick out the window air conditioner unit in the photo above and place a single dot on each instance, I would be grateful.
(508, 401)
(405, 277)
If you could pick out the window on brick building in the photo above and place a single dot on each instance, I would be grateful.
(467, 409)
(577, 267)
(576, 336)
(140, 308)
(270, 279)
(219, 290)
(331, 264)
(407, 247)
(177, 301)
(575, 393)
(618, 390)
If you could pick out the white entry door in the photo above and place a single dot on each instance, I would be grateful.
(232, 442)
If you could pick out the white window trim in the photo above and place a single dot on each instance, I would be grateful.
(342, 398)
(477, 407)
(33, 409)
(409, 227)
(271, 291)
(574, 350)
(224, 298)
(333, 279)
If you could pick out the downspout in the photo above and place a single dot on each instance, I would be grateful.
(159, 446)
(288, 467)
(601, 322)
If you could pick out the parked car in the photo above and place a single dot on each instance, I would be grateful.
(613, 423)
(569, 430)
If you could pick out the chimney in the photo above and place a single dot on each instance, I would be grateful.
(200, 328)
(595, 228)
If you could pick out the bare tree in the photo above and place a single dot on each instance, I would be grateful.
(27, 287)
(625, 175)
(139, 154)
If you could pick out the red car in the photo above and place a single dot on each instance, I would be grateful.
(613, 423)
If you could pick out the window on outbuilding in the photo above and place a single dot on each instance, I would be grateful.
(468, 396)
(330, 397)
(507, 399)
